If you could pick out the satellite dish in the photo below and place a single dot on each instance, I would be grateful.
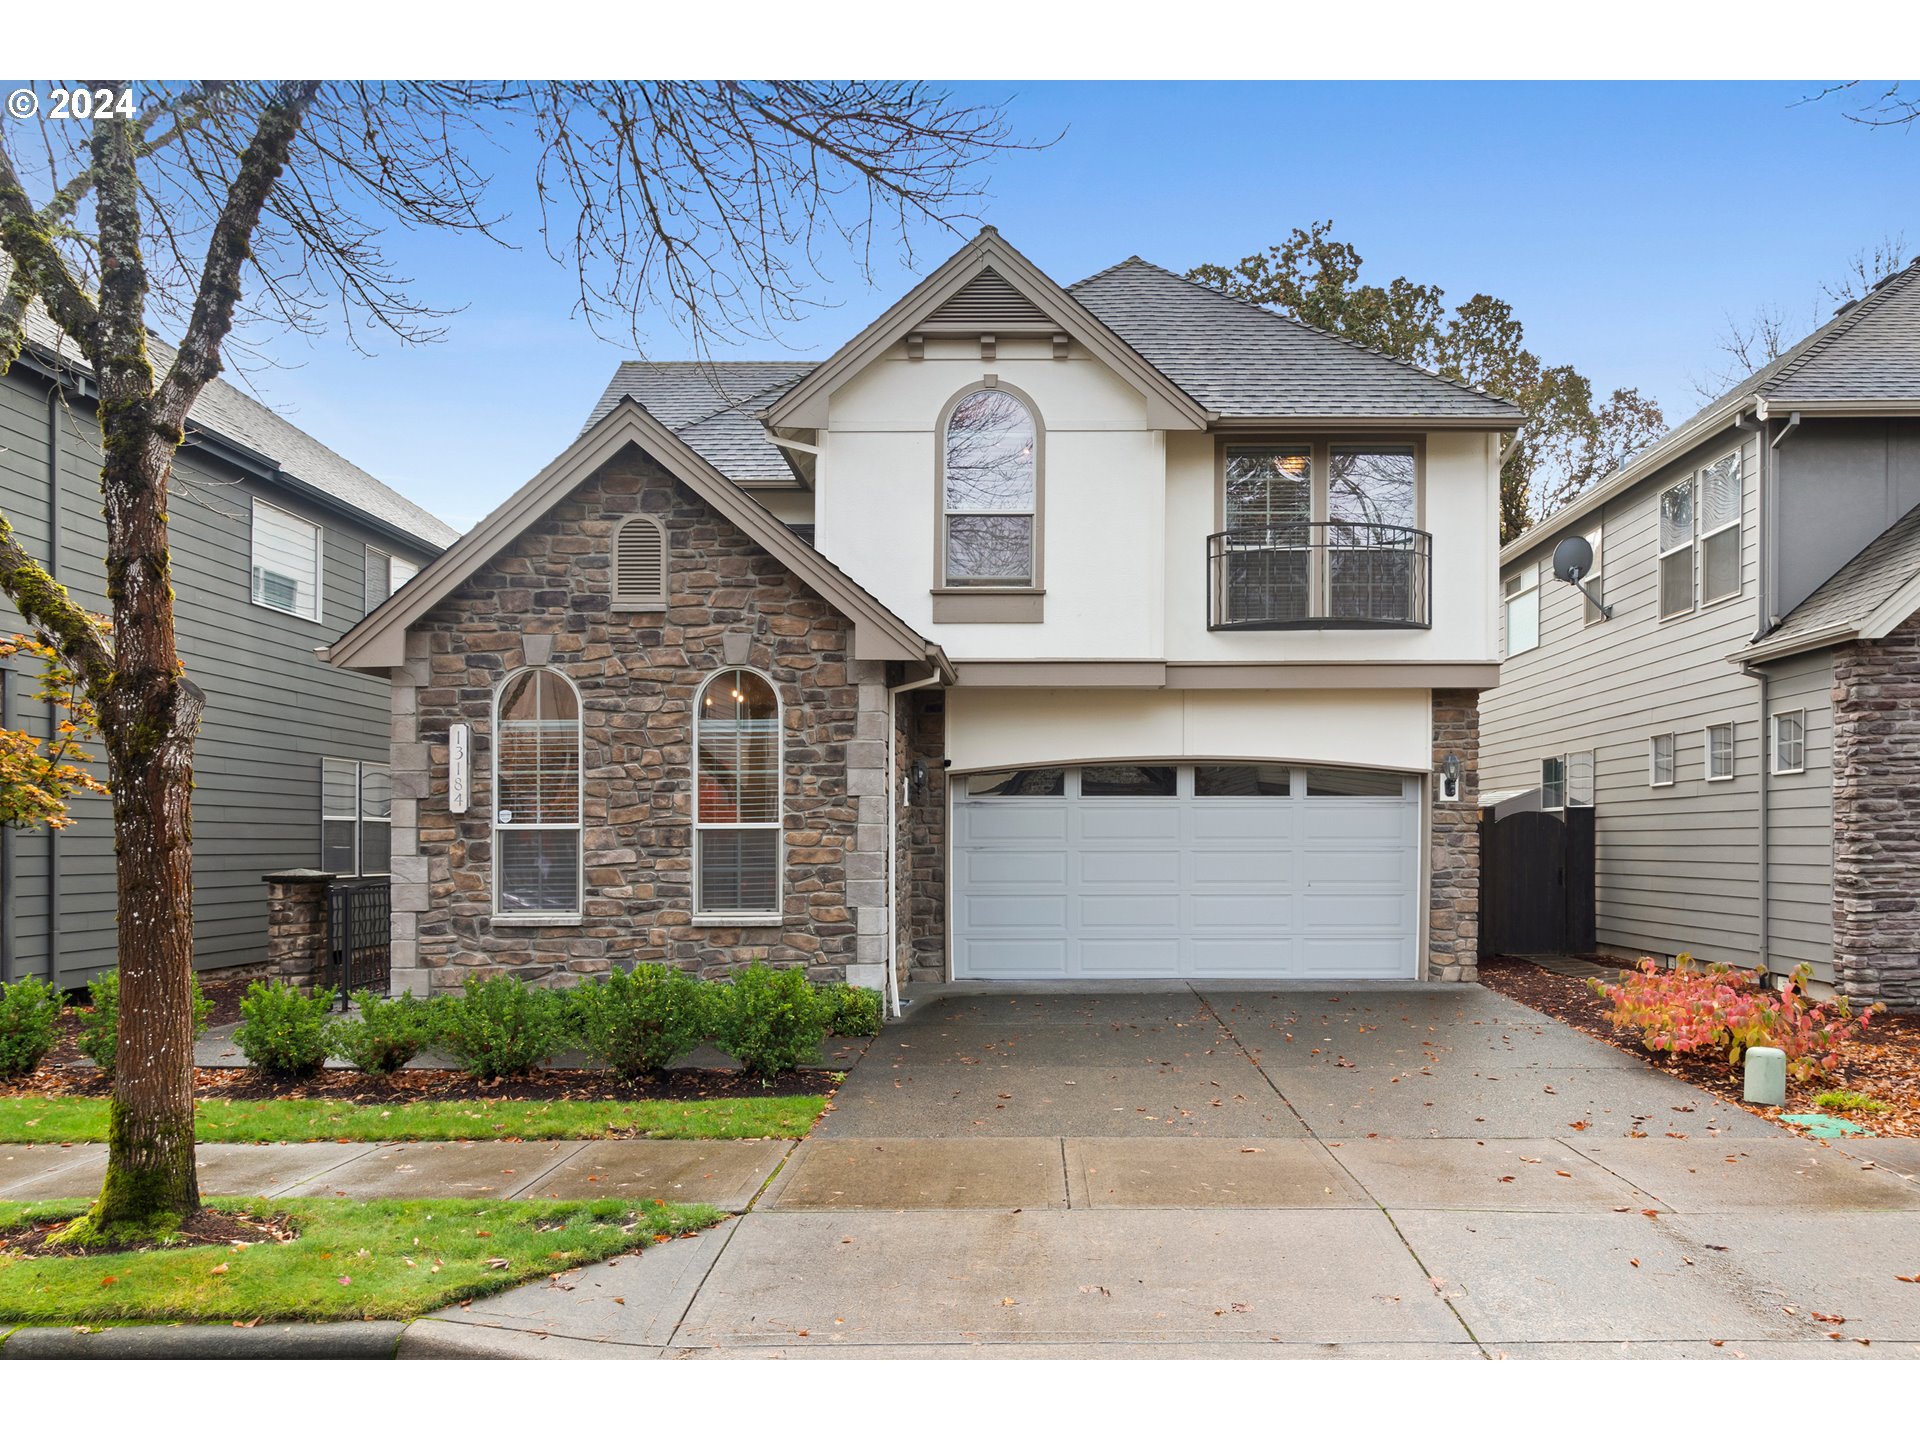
(1572, 559)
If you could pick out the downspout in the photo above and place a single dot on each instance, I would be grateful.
(895, 799)
(1763, 850)
(54, 400)
(6, 848)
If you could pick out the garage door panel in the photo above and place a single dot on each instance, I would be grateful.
(1126, 867)
(1322, 887)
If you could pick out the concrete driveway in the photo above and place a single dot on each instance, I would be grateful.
(1319, 1171)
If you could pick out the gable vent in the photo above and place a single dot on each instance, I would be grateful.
(640, 565)
(989, 300)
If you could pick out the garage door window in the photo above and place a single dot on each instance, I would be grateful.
(1128, 780)
(1017, 783)
(1242, 781)
(1355, 783)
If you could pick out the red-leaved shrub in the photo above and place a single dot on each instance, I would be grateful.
(1720, 1010)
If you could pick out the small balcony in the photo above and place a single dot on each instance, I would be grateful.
(1330, 575)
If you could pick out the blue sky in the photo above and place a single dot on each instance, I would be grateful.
(1623, 221)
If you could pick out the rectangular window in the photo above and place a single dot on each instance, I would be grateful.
(1720, 529)
(356, 817)
(1522, 602)
(286, 562)
(1660, 760)
(385, 574)
(1553, 783)
(1128, 780)
(1580, 779)
(1790, 742)
(1720, 752)
(1592, 581)
(1242, 781)
(1267, 512)
(1043, 784)
(1676, 549)
(1373, 572)
(1352, 784)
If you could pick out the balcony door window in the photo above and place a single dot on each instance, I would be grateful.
(1269, 542)
(1371, 510)
(990, 492)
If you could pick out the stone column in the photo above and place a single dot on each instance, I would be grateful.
(297, 925)
(412, 771)
(1453, 916)
(1876, 819)
(872, 791)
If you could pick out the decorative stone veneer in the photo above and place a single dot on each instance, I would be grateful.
(1453, 918)
(297, 925)
(546, 599)
(1876, 819)
(920, 866)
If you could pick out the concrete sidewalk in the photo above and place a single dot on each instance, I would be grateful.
(1317, 1172)
(726, 1174)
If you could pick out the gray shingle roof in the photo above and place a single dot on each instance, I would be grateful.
(234, 415)
(712, 406)
(1247, 362)
(1857, 588)
(1870, 351)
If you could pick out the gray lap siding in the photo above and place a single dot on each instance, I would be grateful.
(638, 675)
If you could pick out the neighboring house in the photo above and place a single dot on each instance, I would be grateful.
(278, 545)
(1121, 630)
(1746, 723)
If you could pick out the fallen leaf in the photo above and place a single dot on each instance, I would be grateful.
(219, 1269)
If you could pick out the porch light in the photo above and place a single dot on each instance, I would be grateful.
(1450, 778)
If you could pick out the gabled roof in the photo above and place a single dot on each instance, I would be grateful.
(379, 640)
(232, 415)
(1168, 406)
(713, 406)
(1865, 599)
(1248, 363)
(1864, 361)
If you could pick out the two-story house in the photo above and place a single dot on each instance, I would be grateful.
(278, 545)
(1742, 712)
(1112, 631)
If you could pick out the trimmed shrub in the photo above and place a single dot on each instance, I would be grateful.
(852, 1010)
(502, 1027)
(282, 1032)
(29, 1024)
(769, 1020)
(385, 1035)
(1727, 1012)
(100, 1026)
(641, 1020)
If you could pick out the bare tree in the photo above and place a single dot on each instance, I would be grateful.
(1872, 106)
(199, 208)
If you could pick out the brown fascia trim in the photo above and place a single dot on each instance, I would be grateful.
(1209, 675)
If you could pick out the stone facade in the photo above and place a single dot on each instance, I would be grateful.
(297, 925)
(546, 599)
(1453, 917)
(921, 868)
(1876, 819)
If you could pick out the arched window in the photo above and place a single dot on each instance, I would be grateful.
(990, 492)
(536, 795)
(640, 564)
(737, 796)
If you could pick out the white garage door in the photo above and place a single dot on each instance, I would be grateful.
(1160, 871)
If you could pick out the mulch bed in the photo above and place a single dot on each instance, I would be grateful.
(1885, 1064)
(246, 1084)
(207, 1227)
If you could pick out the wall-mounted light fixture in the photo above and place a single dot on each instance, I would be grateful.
(1450, 778)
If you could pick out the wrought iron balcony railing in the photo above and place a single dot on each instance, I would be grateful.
(1336, 574)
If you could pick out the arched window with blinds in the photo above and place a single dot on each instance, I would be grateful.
(737, 796)
(640, 564)
(536, 795)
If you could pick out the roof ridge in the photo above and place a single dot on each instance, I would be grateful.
(1257, 309)
(1841, 324)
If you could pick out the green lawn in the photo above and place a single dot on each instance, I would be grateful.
(61, 1119)
(354, 1259)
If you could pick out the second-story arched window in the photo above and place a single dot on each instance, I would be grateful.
(990, 491)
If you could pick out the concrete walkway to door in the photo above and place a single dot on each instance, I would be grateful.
(1415, 1171)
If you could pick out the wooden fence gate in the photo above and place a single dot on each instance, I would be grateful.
(1536, 883)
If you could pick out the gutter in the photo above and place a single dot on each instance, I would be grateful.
(894, 801)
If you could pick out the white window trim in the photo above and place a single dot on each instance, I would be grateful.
(777, 915)
(1654, 782)
(319, 616)
(1733, 753)
(359, 819)
(1529, 579)
(1702, 536)
(540, 917)
(1690, 545)
(1773, 742)
(1595, 579)
(1561, 761)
